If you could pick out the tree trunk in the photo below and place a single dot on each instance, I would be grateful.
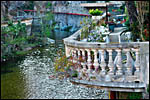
(131, 11)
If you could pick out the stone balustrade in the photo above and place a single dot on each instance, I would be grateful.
(117, 67)
(112, 69)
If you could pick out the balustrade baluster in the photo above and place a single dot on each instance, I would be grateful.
(119, 63)
(111, 63)
(74, 56)
(67, 50)
(84, 61)
(103, 64)
(79, 64)
(96, 64)
(89, 61)
(70, 53)
(129, 62)
(79, 55)
(137, 62)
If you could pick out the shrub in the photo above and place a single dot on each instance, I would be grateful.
(63, 66)
(13, 38)
(103, 24)
(135, 95)
(95, 12)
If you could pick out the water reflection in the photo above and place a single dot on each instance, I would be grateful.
(13, 84)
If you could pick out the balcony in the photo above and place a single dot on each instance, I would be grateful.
(110, 66)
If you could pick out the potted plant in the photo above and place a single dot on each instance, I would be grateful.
(96, 14)
(94, 33)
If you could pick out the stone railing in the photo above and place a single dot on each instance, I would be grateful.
(115, 67)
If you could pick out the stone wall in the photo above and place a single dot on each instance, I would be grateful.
(9, 9)
(144, 58)
(68, 20)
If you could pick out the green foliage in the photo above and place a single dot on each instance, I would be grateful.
(75, 74)
(65, 65)
(20, 53)
(135, 31)
(146, 32)
(84, 32)
(95, 12)
(85, 27)
(96, 38)
(135, 95)
(48, 5)
(48, 21)
(13, 31)
(88, 26)
(103, 24)
(119, 10)
(133, 28)
(28, 5)
(62, 64)
(14, 38)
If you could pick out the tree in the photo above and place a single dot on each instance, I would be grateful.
(137, 12)
(142, 9)
(131, 8)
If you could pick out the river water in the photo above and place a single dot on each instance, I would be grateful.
(28, 77)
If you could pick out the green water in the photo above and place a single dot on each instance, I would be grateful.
(12, 81)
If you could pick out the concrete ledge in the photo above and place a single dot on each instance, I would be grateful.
(111, 86)
(98, 45)
(93, 4)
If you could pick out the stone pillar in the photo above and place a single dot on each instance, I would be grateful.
(96, 64)
(78, 54)
(137, 63)
(119, 63)
(79, 64)
(103, 64)
(111, 63)
(129, 62)
(84, 61)
(67, 51)
(74, 56)
(89, 61)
